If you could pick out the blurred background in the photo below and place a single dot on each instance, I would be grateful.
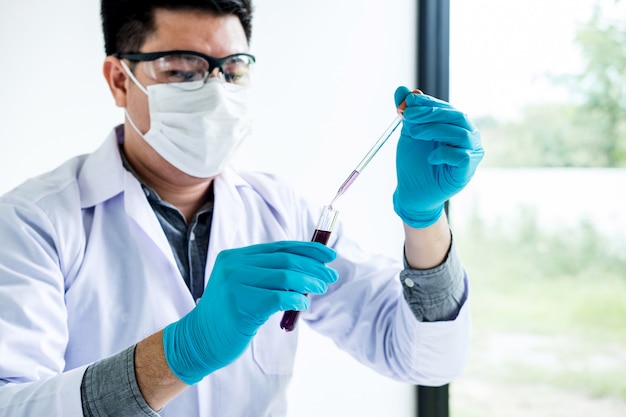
(541, 227)
(543, 224)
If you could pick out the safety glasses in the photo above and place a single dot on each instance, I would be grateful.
(192, 67)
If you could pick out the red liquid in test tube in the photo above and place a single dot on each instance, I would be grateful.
(322, 232)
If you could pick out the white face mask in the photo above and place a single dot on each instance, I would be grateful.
(197, 131)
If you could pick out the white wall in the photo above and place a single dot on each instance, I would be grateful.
(324, 81)
(54, 102)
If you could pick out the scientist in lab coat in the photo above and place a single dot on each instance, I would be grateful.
(149, 278)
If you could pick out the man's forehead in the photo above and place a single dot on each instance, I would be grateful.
(197, 30)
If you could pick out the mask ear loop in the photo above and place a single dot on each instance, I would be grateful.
(142, 88)
(133, 125)
(133, 78)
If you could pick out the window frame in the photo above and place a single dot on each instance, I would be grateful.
(433, 78)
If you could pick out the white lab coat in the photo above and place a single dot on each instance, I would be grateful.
(86, 271)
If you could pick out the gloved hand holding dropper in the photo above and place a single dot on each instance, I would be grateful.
(438, 152)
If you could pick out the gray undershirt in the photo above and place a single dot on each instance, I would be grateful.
(109, 386)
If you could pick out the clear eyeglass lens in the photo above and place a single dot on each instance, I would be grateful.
(181, 68)
(237, 70)
(177, 69)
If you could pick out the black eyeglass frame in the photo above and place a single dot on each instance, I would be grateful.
(213, 62)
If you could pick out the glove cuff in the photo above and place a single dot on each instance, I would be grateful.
(421, 219)
(181, 357)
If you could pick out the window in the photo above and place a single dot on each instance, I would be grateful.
(542, 226)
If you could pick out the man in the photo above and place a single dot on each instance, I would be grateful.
(149, 277)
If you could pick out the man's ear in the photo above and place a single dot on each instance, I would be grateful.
(117, 79)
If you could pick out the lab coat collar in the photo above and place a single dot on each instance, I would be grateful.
(102, 175)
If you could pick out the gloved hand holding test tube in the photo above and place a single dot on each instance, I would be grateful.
(327, 219)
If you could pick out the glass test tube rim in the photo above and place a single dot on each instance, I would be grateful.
(327, 219)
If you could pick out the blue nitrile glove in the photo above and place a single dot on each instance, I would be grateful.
(246, 287)
(437, 155)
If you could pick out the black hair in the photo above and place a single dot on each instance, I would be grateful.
(127, 23)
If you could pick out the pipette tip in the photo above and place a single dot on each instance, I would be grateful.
(330, 205)
(346, 184)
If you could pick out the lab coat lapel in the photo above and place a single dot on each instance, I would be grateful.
(103, 176)
(228, 215)
(139, 210)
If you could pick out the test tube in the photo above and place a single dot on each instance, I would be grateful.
(322, 232)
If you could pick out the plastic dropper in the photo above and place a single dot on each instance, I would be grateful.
(373, 150)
